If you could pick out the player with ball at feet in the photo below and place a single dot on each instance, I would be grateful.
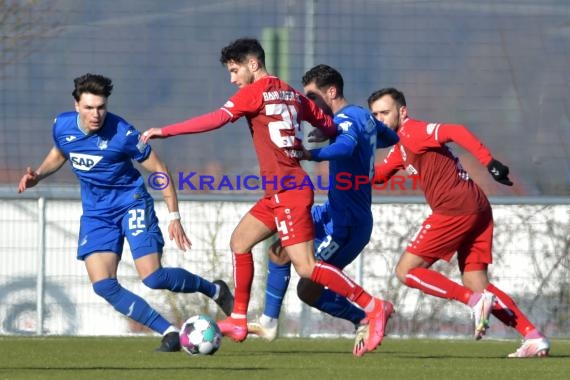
(116, 205)
(274, 111)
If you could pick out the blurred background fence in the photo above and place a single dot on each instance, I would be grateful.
(38, 242)
(499, 67)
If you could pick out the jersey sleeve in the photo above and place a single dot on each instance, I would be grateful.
(421, 137)
(247, 101)
(134, 147)
(390, 166)
(434, 135)
(343, 145)
(317, 118)
(203, 123)
(385, 136)
(341, 148)
(467, 140)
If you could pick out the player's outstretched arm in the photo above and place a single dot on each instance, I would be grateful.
(198, 124)
(462, 136)
(176, 232)
(340, 149)
(382, 173)
(393, 162)
(315, 116)
(466, 139)
(52, 163)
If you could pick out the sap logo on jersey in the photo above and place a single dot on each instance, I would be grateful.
(84, 162)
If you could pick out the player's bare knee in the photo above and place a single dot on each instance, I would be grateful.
(304, 270)
(476, 284)
(237, 245)
(233, 244)
(401, 273)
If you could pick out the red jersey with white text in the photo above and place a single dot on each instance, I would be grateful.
(421, 151)
(274, 111)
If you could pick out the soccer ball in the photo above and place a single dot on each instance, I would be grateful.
(200, 335)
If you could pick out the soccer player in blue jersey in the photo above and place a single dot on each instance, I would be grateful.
(343, 224)
(100, 147)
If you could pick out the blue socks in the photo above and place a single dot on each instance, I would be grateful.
(278, 277)
(130, 304)
(136, 308)
(179, 280)
(338, 306)
(331, 303)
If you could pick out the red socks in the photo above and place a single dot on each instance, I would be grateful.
(436, 284)
(507, 312)
(334, 279)
(243, 278)
(504, 308)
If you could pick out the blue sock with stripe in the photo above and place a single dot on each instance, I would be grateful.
(278, 277)
(130, 305)
(179, 280)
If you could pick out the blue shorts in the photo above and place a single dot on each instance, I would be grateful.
(107, 232)
(337, 245)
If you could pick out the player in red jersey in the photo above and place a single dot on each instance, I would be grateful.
(461, 219)
(274, 111)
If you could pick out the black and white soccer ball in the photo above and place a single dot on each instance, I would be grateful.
(200, 335)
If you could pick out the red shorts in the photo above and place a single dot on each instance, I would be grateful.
(288, 213)
(471, 236)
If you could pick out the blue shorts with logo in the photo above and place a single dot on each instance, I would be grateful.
(337, 244)
(107, 232)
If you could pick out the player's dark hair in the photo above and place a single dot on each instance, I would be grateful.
(93, 84)
(324, 76)
(241, 49)
(397, 95)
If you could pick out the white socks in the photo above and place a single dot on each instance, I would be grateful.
(170, 329)
(266, 321)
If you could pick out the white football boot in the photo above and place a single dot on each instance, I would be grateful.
(532, 348)
(264, 327)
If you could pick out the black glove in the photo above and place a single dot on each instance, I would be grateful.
(499, 172)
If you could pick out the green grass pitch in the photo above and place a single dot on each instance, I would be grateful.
(294, 359)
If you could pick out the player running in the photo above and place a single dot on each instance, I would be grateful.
(343, 224)
(116, 205)
(461, 219)
(274, 111)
